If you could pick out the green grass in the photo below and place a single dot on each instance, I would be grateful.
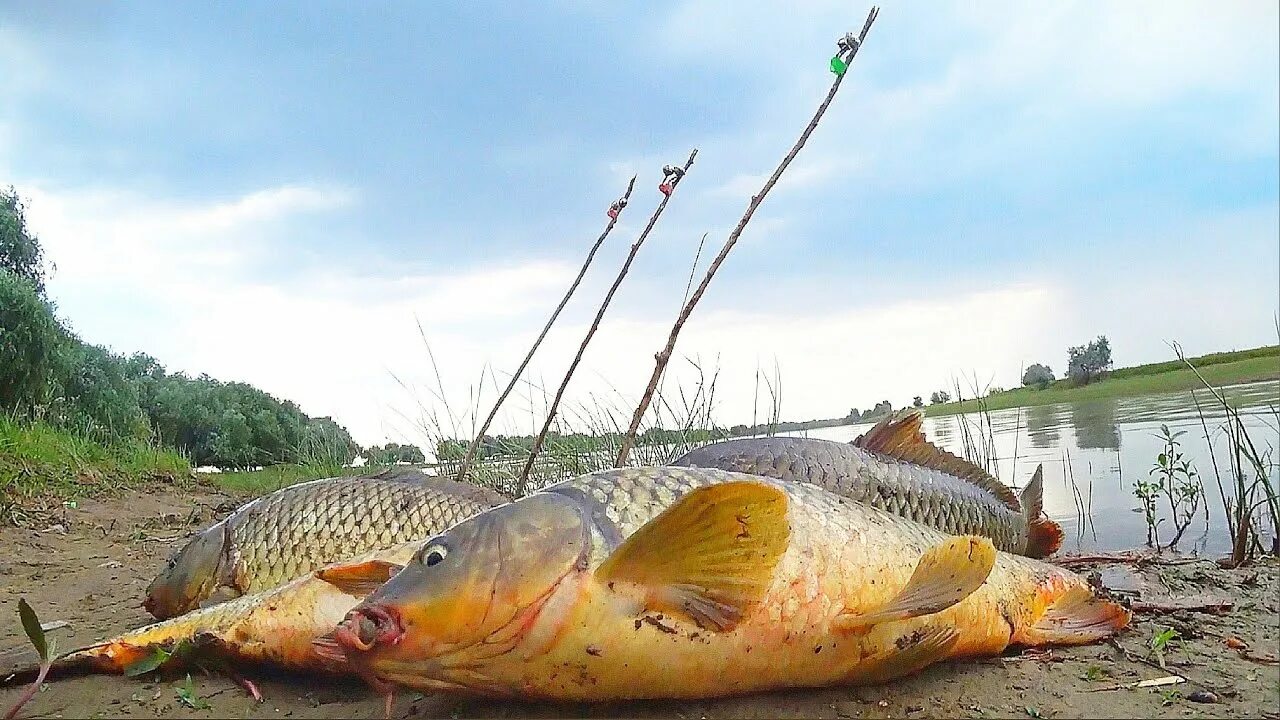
(1259, 364)
(270, 479)
(42, 465)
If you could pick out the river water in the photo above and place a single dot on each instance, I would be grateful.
(1105, 446)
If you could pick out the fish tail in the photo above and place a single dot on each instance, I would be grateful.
(1076, 617)
(1044, 536)
(92, 658)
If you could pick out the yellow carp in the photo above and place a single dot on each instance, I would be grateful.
(692, 583)
(290, 532)
(274, 627)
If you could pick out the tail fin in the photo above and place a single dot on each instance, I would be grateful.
(1077, 618)
(1045, 536)
(89, 659)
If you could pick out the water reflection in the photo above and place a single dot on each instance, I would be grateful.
(1043, 422)
(1103, 471)
(944, 430)
(1095, 424)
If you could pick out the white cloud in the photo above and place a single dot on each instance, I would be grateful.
(332, 339)
(98, 235)
(1025, 73)
(175, 280)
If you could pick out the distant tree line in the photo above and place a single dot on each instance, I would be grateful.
(48, 373)
(393, 453)
(1085, 364)
(497, 446)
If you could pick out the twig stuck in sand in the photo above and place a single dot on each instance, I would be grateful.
(848, 50)
(614, 211)
(671, 179)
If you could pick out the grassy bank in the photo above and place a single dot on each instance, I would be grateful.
(1217, 369)
(41, 466)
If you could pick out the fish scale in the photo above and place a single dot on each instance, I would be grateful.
(923, 494)
(290, 532)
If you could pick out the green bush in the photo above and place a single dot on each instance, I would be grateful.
(20, 251)
(47, 373)
(30, 339)
(95, 395)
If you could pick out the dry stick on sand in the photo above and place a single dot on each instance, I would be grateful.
(665, 355)
(522, 487)
(615, 213)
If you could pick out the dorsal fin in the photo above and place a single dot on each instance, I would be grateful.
(899, 436)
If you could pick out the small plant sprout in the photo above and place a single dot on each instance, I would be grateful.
(1160, 642)
(1147, 494)
(186, 693)
(1178, 481)
(47, 651)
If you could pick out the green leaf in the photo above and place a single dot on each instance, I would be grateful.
(31, 624)
(187, 694)
(1162, 638)
(1161, 459)
(151, 662)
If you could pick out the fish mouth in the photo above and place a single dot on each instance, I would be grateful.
(368, 627)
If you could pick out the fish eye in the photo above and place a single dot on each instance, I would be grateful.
(433, 554)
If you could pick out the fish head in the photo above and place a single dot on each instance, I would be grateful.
(191, 575)
(470, 595)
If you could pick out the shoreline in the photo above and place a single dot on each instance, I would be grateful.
(1239, 372)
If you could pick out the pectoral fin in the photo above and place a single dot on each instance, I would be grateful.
(946, 574)
(710, 556)
(360, 578)
(909, 654)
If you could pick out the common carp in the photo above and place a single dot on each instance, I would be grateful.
(692, 583)
(893, 467)
(290, 532)
(273, 627)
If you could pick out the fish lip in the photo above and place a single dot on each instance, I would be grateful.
(368, 627)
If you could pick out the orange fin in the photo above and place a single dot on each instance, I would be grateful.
(1077, 618)
(946, 574)
(1046, 538)
(709, 556)
(358, 579)
(898, 436)
(326, 648)
(910, 653)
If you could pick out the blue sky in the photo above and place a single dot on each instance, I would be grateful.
(274, 192)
